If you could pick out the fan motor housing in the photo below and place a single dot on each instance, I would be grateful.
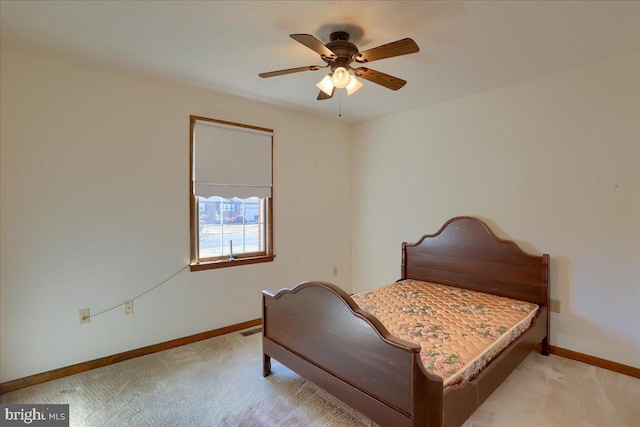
(344, 50)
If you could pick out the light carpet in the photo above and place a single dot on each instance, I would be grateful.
(218, 382)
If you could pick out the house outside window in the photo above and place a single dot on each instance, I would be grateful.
(231, 194)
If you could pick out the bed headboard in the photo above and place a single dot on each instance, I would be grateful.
(465, 253)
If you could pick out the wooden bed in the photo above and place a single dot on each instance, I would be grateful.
(318, 331)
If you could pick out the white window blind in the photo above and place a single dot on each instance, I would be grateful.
(232, 161)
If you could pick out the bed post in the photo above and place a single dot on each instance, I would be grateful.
(403, 268)
(426, 388)
(266, 365)
(266, 359)
(544, 346)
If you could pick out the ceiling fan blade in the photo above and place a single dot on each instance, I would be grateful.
(397, 48)
(323, 95)
(382, 79)
(290, 70)
(314, 44)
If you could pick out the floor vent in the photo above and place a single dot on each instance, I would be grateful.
(251, 332)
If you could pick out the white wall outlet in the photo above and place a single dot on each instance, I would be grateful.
(85, 315)
(128, 307)
(554, 305)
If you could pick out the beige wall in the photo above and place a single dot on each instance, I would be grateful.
(551, 163)
(94, 208)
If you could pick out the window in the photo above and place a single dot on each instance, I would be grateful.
(231, 194)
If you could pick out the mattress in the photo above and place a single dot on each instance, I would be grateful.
(459, 330)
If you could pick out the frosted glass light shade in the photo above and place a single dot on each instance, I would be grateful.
(326, 85)
(341, 77)
(353, 85)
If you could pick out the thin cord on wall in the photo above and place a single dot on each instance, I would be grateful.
(145, 292)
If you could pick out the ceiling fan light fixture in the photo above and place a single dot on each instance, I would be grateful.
(353, 85)
(341, 77)
(326, 85)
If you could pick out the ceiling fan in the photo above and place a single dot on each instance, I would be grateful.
(339, 54)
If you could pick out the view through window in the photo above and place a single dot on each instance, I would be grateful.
(227, 225)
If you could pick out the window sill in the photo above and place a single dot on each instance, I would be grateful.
(231, 262)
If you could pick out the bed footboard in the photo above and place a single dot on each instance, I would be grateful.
(318, 331)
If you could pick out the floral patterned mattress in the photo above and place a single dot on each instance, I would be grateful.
(459, 330)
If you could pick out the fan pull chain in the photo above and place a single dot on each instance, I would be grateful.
(339, 105)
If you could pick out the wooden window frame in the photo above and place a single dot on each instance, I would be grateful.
(197, 264)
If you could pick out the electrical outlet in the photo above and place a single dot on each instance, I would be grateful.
(554, 305)
(335, 271)
(85, 316)
(128, 307)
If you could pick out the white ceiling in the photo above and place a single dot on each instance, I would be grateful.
(465, 46)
